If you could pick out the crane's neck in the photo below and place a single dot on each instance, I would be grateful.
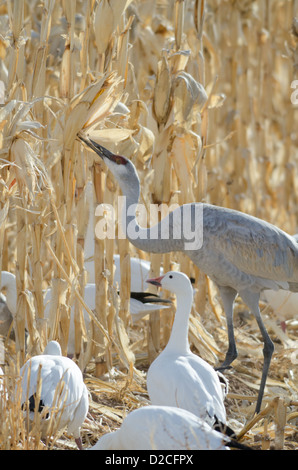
(8, 282)
(178, 341)
(160, 238)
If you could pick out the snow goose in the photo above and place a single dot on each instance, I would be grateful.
(177, 377)
(139, 272)
(5, 318)
(164, 428)
(63, 391)
(140, 305)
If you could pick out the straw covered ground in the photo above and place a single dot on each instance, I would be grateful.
(198, 94)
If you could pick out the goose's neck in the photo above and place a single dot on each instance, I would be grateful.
(178, 341)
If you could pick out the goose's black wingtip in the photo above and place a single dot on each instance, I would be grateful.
(32, 405)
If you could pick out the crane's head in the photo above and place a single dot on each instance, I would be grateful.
(173, 281)
(121, 167)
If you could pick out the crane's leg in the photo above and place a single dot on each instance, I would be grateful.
(228, 296)
(252, 301)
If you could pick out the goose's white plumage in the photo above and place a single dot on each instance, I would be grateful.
(177, 377)
(139, 272)
(162, 428)
(57, 374)
(138, 309)
(5, 317)
(8, 282)
(283, 303)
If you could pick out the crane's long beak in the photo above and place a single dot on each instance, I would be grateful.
(155, 281)
(99, 149)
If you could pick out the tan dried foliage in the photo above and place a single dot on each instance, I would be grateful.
(197, 94)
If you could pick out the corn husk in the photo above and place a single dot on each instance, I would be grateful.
(198, 96)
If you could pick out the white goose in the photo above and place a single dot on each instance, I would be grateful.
(164, 428)
(5, 318)
(283, 302)
(177, 377)
(140, 305)
(139, 270)
(63, 391)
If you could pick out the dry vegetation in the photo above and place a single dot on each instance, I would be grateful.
(202, 87)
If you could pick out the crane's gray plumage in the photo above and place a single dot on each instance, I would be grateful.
(240, 253)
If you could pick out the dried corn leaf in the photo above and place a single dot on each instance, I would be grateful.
(162, 92)
(107, 17)
(104, 102)
(161, 185)
(3, 214)
(126, 355)
(110, 136)
(103, 25)
(187, 93)
(25, 169)
(179, 22)
(65, 73)
(80, 108)
(112, 413)
(181, 155)
(16, 17)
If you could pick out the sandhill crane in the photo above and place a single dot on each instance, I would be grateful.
(177, 377)
(63, 391)
(165, 428)
(240, 253)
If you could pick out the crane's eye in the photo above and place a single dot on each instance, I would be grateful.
(119, 160)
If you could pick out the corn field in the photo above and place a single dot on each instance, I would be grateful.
(198, 95)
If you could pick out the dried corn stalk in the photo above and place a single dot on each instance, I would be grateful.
(198, 94)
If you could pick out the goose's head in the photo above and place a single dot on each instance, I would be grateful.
(53, 348)
(173, 281)
(121, 167)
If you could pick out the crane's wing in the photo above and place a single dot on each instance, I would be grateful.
(240, 244)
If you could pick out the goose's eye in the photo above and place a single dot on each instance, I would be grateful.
(171, 277)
